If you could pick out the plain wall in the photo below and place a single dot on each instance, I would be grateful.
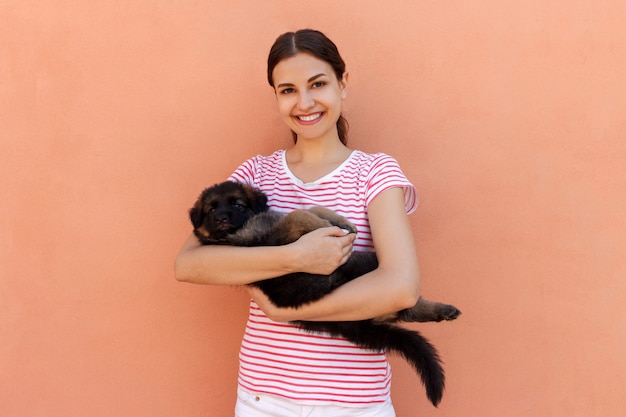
(508, 116)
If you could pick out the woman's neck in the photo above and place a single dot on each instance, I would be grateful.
(313, 152)
(312, 160)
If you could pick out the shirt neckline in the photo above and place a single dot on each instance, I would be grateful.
(320, 180)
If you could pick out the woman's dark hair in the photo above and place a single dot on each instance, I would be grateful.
(317, 44)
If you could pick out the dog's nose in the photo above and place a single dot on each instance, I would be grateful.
(222, 218)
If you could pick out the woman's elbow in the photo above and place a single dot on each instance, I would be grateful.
(407, 300)
(179, 272)
(182, 271)
(408, 291)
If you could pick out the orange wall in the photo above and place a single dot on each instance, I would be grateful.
(510, 118)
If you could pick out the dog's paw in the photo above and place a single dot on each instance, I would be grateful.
(348, 228)
(333, 218)
(447, 312)
(428, 311)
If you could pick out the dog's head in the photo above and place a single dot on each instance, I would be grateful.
(223, 209)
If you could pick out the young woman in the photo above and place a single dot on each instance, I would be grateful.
(284, 371)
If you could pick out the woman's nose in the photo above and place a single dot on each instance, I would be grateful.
(305, 101)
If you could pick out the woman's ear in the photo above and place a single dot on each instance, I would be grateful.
(343, 83)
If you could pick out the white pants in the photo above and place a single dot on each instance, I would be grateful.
(264, 405)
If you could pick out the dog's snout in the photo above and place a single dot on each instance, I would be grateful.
(223, 217)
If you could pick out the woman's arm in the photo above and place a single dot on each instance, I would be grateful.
(393, 286)
(318, 252)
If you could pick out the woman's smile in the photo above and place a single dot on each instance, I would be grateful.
(309, 118)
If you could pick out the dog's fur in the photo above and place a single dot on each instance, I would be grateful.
(230, 213)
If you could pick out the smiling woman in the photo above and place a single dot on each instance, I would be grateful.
(280, 364)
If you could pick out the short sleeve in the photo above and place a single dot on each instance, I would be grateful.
(246, 172)
(384, 174)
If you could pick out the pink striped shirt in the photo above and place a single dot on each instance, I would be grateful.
(280, 359)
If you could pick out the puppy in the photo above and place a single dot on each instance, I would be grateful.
(230, 213)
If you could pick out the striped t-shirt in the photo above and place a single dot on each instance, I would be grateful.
(280, 359)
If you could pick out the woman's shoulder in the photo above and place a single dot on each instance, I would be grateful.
(273, 158)
(258, 166)
(371, 155)
(370, 160)
(260, 163)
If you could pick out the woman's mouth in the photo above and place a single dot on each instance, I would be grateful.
(309, 118)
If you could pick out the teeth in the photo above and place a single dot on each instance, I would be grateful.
(309, 118)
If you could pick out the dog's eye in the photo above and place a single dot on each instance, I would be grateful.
(239, 205)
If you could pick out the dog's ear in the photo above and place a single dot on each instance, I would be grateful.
(196, 215)
(258, 200)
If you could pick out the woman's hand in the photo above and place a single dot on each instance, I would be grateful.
(271, 311)
(323, 250)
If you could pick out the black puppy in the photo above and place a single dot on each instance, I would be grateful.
(230, 213)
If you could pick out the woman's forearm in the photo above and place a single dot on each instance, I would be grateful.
(371, 295)
(318, 252)
(229, 265)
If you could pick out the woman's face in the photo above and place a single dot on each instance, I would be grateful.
(309, 95)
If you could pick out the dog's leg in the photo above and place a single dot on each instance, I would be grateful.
(425, 311)
(295, 224)
(334, 218)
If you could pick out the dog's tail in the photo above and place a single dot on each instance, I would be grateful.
(411, 345)
(423, 356)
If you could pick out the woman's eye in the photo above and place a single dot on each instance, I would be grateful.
(287, 91)
(318, 84)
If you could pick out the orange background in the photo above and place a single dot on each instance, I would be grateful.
(509, 117)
